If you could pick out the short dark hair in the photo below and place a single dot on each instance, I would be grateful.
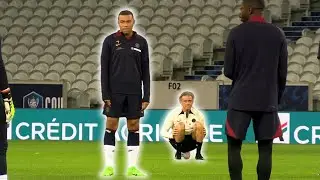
(126, 12)
(255, 4)
(186, 93)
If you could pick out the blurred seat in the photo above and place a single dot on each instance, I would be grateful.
(16, 58)
(312, 68)
(57, 40)
(152, 3)
(221, 20)
(210, 11)
(75, 4)
(52, 49)
(90, 3)
(31, 3)
(83, 49)
(73, 13)
(198, 3)
(170, 29)
(6, 20)
(7, 49)
(94, 58)
(21, 49)
(162, 49)
(56, 12)
(45, 4)
(46, 58)
(66, 21)
(186, 29)
(58, 67)
(42, 67)
(194, 11)
(81, 21)
(173, 20)
(84, 76)
(296, 68)
(9, 42)
(302, 49)
(166, 3)
(120, 3)
(202, 29)
(11, 67)
(308, 77)
(31, 58)
(27, 12)
(182, 3)
(293, 77)
(79, 58)
(90, 67)
(47, 30)
(205, 20)
(177, 11)
(189, 20)
(307, 41)
(11, 12)
(158, 20)
(79, 84)
(101, 12)
(73, 67)
(52, 76)
(225, 10)
(93, 30)
(41, 39)
(166, 39)
(51, 21)
(16, 30)
(20, 76)
(60, 3)
(31, 30)
(62, 58)
(88, 40)
(162, 11)
(298, 58)
(153, 29)
(36, 75)
(136, 3)
(67, 49)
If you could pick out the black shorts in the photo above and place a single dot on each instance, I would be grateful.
(266, 125)
(122, 105)
(188, 144)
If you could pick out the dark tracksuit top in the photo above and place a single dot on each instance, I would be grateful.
(4, 87)
(125, 66)
(256, 60)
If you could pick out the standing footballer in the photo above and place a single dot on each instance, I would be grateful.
(124, 68)
(7, 112)
(256, 61)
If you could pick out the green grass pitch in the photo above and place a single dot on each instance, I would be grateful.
(82, 160)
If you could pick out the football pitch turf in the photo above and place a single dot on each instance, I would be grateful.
(55, 160)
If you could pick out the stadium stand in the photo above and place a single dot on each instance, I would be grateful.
(60, 40)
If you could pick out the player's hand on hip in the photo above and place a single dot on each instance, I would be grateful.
(144, 105)
(9, 108)
(107, 103)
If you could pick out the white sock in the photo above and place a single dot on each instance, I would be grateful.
(4, 177)
(109, 153)
(133, 153)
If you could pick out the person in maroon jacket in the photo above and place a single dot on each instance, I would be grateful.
(256, 61)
